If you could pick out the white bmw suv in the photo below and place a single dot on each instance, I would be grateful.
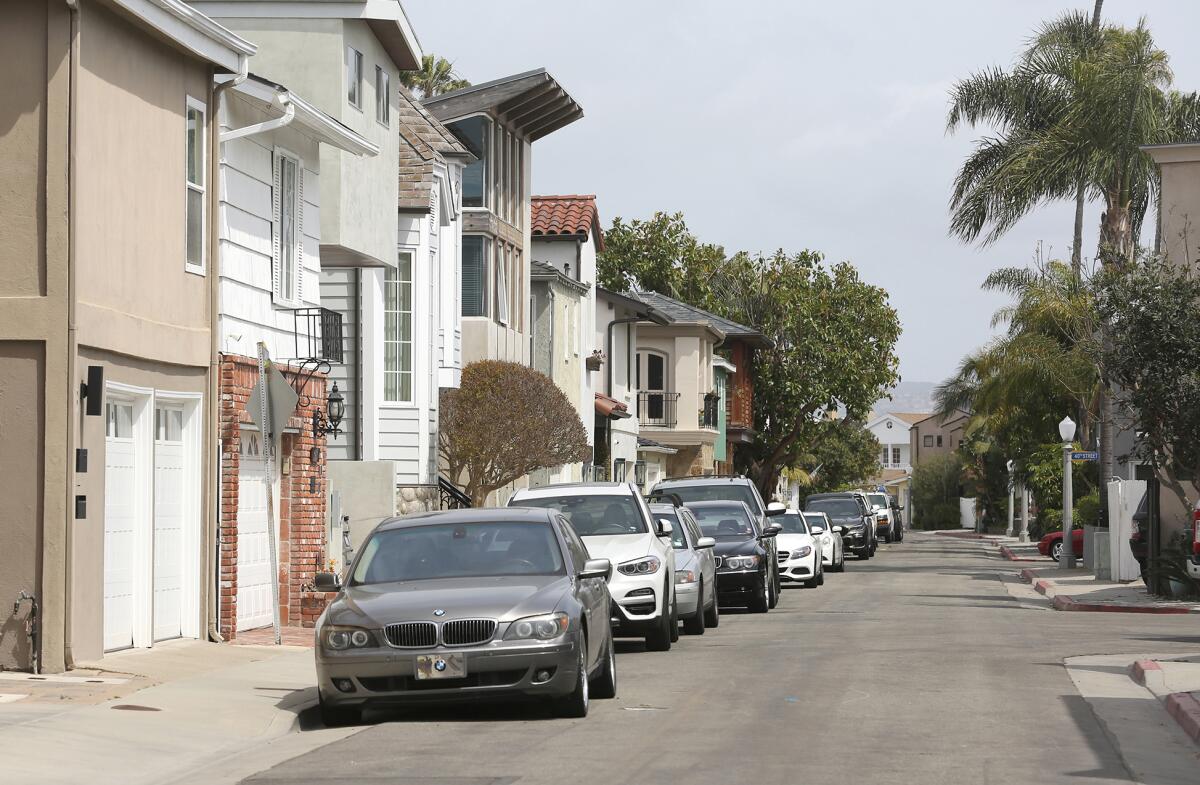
(615, 524)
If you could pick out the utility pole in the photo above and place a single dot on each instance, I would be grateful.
(1066, 429)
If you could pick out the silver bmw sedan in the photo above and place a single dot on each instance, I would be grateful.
(467, 604)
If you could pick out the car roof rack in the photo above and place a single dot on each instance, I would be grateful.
(706, 477)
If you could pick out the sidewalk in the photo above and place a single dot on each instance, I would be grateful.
(1176, 683)
(151, 715)
(1080, 590)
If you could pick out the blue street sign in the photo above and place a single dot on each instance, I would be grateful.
(1085, 456)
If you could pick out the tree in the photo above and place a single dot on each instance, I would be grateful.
(437, 76)
(503, 422)
(935, 492)
(658, 255)
(841, 454)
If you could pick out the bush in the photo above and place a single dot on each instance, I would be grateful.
(945, 515)
(935, 489)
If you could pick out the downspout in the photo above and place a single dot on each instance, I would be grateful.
(608, 348)
(74, 412)
(213, 415)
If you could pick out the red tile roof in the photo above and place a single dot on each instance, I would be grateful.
(573, 214)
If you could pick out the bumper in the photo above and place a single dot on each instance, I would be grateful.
(687, 597)
(827, 553)
(739, 587)
(387, 676)
(855, 541)
(798, 570)
(638, 603)
(1193, 567)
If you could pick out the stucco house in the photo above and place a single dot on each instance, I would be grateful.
(891, 430)
(108, 204)
(934, 435)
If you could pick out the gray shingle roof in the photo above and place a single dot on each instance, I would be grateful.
(678, 311)
(424, 142)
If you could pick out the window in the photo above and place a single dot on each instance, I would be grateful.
(939, 441)
(475, 134)
(354, 77)
(500, 203)
(287, 236)
(118, 420)
(397, 331)
(196, 142)
(383, 96)
(168, 424)
(518, 192)
(885, 456)
(503, 255)
(474, 274)
(895, 456)
(928, 441)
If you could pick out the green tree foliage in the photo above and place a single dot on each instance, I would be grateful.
(437, 76)
(936, 485)
(658, 255)
(1044, 478)
(841, 454)
(503, 422)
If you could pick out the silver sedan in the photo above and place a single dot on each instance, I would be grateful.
(695, 569)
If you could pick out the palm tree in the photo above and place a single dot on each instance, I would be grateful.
(437, 76)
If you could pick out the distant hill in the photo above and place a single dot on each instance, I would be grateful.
(908, 397)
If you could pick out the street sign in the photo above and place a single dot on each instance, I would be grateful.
(281, 404)
(1080, 455)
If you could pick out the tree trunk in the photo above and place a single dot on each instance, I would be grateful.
(1106, 440)
(1077, 241)
(1096, 14)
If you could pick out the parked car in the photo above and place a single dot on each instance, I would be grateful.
(747, 565)
(462, 605)
(849, 511)
(695, 569)
(885, 521)
(615, 522)
(833, 554)
(898, 517)
(798, 551)
(1051, 545)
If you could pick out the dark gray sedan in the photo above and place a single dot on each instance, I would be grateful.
(467, 604)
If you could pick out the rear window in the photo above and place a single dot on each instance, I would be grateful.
(835, 508)
(724, 523)
(594, 514)
(792, 523)
(816, 523)
(714, 492)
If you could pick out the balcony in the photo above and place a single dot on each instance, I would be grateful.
(709, 415)
(657, 409)
(318, 334)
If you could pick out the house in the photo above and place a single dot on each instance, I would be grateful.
(933, 435)
(269, 262)
(891, 430)
(108, 204)
(675, 375)
(566, 236)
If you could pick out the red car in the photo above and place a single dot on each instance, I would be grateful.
(1051, 544)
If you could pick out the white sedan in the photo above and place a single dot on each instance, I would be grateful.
(799, 552)
(830, 539)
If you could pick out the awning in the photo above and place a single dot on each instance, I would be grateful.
(611, 408)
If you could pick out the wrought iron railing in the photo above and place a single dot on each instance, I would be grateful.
(321, 335)
(709, 415)
(658, 409)
(450, 496)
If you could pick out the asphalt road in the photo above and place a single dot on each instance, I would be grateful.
(917, 666)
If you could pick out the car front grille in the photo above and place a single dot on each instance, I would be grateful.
(719, 561)
(785, 555)
(412, 684)
(412, 634)
(466, 632)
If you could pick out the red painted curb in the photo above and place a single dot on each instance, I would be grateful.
(1043, 587)
(1137, 671)
(1184, 707)
(1007, 553)
(1062, 602)
(1028, 576)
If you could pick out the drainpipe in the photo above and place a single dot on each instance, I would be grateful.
(284, 101)
(74, 413)
(213, 415)
(608, 347)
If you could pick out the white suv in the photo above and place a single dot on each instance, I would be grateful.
(615, 524)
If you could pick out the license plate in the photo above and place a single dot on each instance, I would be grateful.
(441, 666)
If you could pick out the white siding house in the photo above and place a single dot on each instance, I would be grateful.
(891, 430)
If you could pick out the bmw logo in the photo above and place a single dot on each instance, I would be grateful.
(439, 612)
(439, 665)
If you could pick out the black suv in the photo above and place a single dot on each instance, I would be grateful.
(747, 564)
(849, 511)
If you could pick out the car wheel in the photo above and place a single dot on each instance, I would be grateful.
(604, 683)
(761, 601)
(660, 638)
(1056, 550)
(694, 624)
(712, 616)
(674, 621)
(821, 577)
(864, 554)
(773, 594)
(840, 564)
(576, 703)
(337, 716)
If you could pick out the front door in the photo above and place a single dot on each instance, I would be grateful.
(254, 607)
(120, 525)
(169, 494)
(652, 381)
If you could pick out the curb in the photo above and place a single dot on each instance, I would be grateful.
(1149, 674)
(1007, 553)
(966, 535)
(1184, 707)
(1064, 602)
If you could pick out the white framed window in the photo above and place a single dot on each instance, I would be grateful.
(885, 456)
(503, 257)
(895, 456)
(196, 178)
(287, 233)
(354, 77)
(398, 331)
(383, 94)
(475, 252)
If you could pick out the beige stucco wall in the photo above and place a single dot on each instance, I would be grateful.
(1180, 205)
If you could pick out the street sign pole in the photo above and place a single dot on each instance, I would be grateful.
(1066, 561)
(268, 440)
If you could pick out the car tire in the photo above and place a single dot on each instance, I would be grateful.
(1056, 550)
(773, 595)
(575, 703)
(674, 621)
(604, 683)
(712, 616)
(660, 638)
(694, 624)
(337, 716)
(864, 554)
(821, 577)
(840, 564)
(761, 601)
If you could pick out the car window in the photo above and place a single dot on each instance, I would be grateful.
(693, 528)
(715, 492)
(725, 523)
(879, 500)
(816, 523)
(678, 538)
(453, 550)
(594, 514)
(792, 523)
(835, 508)
(575, 546)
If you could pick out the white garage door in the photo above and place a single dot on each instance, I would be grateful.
(169, 494)
(120, 522)
(254, 607)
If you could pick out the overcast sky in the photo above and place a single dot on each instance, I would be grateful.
(807, 124)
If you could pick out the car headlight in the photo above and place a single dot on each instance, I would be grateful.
(741, 562)
(541, 628)
(804, 551)
(685, 576)
(343, 638)
(647, 565)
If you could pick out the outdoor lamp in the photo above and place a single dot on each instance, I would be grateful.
(1066, 429)
(337, 409)
(639, 472)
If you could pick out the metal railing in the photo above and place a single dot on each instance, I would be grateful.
(658, 409)
(321, 334)
(709, 415)
(450, 496)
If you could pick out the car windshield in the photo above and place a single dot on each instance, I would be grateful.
(879, 500)
(792, 523)
(451, 550)
(594, 514)
(816, 523)
(678, 538)
(714, 492)
(835, 508)
(724, 523)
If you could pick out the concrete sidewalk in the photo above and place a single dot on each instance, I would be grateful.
(1080, 590)
(151, 715)
(1176, 683)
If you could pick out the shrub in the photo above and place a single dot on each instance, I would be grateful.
(935, 489)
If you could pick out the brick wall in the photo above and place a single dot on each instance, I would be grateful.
(302, 495)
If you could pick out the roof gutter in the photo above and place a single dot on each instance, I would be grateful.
(284, 100)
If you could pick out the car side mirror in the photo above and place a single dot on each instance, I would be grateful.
(327, 581)
(705, 542)
(839, 529)
(776, 508)
(772, 530)
(664, 527)
(596, 568)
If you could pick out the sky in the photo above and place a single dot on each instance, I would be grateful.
(801, 124)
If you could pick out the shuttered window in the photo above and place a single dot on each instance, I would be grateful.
(474, 275)
(398, 331)
(288, 247)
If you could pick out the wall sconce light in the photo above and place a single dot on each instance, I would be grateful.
(337, 409)
(639, 472)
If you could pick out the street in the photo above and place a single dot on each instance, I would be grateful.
(918, 666)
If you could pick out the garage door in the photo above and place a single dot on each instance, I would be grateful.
(120, 523)
(169, 493)
(254, 607)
